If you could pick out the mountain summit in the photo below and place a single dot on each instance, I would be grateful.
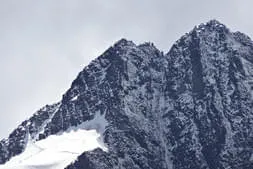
(136, 108)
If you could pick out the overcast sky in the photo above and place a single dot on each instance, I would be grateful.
(45, 43)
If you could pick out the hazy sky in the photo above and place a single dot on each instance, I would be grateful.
(45, 43)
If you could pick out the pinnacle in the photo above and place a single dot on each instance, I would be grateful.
(214, 22)
(212, 25)
(124, 42)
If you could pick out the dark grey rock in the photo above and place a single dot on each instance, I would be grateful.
(188, 109)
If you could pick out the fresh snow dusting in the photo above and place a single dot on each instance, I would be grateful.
(42, 128)
(58, 151)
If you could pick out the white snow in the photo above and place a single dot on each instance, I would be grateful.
(74, 98)
(57, 151)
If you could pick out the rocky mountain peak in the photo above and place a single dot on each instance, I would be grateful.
(212, 27)
(124, 42)
(190, 108)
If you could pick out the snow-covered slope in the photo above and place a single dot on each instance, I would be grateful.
(57, 151)
(188, 109)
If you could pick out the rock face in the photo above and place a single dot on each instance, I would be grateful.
(191, 108)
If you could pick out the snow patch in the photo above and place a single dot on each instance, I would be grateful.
(58, 151)
(74, 98)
